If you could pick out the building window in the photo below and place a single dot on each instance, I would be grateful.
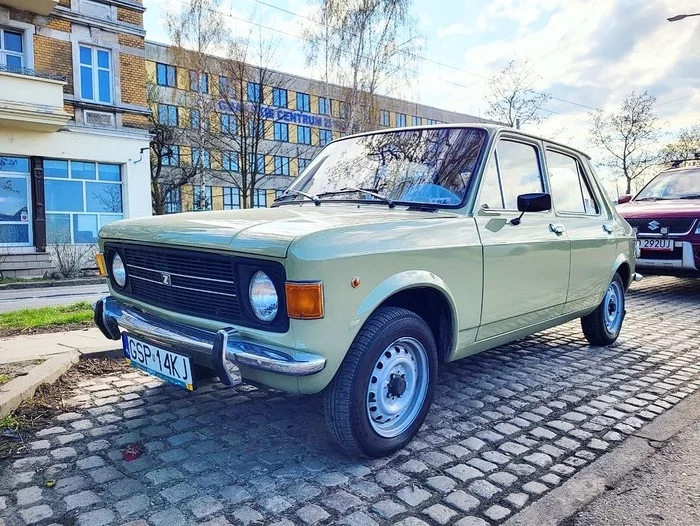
(15, 202)
(229, 160)
(173, 205)
(199, 82)
(303, 163)
(303, 102)
(400, 120)
(431, 121)
(254, 92)
(95, 74)
(303, 135)
(260, 199)
(281, 130)
(201, 158)
(343, 110)
(11, 50)
(260, 132)
(324, 107)
(202, 198)
(416, 121)
(324, 137)
(170, 156)
(256, 164)
(196, 121)
(279, 97)
(232, 198)
(165, 75)
(281, 165)
(223, 85)
(168, 115)
(384, 119)
(229, 125)
(81, 197)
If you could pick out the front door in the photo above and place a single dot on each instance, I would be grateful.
(588, 226)
(15, 202)
(526, 266)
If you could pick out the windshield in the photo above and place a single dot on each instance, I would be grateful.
(430, 166)
(681, 184)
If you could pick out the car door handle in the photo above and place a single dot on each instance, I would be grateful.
(557, 229)
(608, 228)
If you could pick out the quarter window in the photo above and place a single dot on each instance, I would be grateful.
(165, 75)
(95, 74)
(570, 190)
(11, 50)
(81, 197)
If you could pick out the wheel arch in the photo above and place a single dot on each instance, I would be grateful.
(421, 292)
(622, 266)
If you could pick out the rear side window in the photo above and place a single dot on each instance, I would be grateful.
(514, 170)
(570, 190)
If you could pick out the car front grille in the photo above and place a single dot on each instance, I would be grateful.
(184, 281)
(654, 226)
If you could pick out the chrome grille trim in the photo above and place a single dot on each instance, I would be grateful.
(181, 287)
(231, 282)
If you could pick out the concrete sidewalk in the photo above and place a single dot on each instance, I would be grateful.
(13, 299)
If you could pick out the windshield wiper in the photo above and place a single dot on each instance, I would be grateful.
(313, 198)
(690, 196)
(651, 199)
(352, 189)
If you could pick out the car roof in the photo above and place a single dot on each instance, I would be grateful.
(681, 169)
(491, 128)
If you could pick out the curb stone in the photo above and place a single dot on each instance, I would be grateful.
(21, 388)
(592, 481)
(53, 283)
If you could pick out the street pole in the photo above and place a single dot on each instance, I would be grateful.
(681, 17)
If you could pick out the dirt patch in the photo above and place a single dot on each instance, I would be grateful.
(10, 371)
(18, 428)
(6, 333)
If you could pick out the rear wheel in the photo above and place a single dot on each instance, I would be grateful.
(383, 390)
(603, 325)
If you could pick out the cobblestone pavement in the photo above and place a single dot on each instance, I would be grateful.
(506, 427)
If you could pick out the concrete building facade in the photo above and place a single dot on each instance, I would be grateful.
(73, 124)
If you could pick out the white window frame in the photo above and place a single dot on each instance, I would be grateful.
(96, 68)
(27, 31)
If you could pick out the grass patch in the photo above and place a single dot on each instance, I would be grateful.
(4, 378)
(10, 422)
(29, 320)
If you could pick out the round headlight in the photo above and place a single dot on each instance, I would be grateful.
(118, 271)
(263, 296)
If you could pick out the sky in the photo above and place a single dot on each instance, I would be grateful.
(588, 54)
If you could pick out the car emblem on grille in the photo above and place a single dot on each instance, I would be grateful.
(165, 278)
(653, 225)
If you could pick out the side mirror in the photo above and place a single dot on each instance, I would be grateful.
(532, 203)
(624, 198)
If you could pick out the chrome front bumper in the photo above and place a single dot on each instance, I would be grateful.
(219, 348)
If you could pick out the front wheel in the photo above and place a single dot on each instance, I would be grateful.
(383, 390)
(603, 325)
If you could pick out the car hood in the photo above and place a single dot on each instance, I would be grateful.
(677, 208)
(258, 231)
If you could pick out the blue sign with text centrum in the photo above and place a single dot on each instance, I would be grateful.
(283, 115)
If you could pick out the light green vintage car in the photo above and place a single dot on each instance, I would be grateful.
(392, 252)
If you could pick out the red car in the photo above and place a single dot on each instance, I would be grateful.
(665, 214)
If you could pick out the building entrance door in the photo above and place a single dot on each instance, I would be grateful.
(15, 202)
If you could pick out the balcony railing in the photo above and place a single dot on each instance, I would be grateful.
(32, 72)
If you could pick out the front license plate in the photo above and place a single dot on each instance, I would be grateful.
(656, 244)
(169, 366)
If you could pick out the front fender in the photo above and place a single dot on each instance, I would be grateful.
(408, 279)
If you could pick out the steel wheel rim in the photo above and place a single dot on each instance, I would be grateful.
(397, 387)
(613, 306)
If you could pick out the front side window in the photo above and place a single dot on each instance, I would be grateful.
(232, 198)
(303, 135)
(427, 166)
(324, 137)
(324, 107)
(303, 102)
(254, 92)
(281, 165)
(281, 131)
(165, 75)
(95, 74)
(11, 50)
(570, 191)
(514, 170)
(279, 97)
(81, 197)
(168, 115)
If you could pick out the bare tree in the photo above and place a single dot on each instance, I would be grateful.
(686, 147)
(628, 136)
(512, 98)
(367, 46)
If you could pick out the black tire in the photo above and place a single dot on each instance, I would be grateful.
(345, 399)
(594, 325)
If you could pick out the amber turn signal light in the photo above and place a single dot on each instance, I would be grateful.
(304, 300)
(101, 266)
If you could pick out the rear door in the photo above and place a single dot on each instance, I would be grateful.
(587, 225)
(526, 266)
